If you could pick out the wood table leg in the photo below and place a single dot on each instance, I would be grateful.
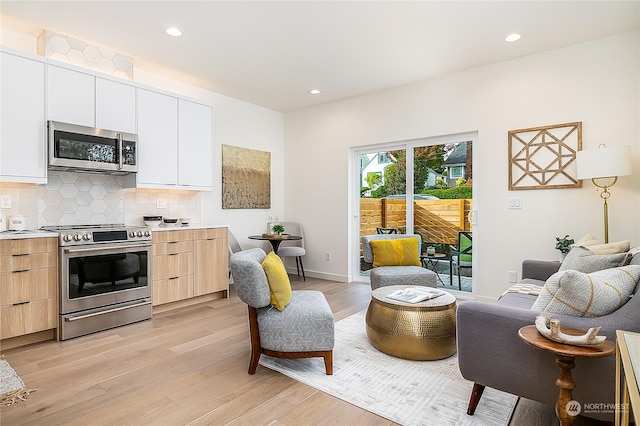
(566, 384)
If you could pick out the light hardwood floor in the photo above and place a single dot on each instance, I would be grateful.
(187, 366)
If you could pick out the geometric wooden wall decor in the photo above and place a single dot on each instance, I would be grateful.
(545, 157)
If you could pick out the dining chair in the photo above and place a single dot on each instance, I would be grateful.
(461, 255)
(293, 248)
(386, 230)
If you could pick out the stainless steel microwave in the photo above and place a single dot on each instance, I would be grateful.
(80, 148)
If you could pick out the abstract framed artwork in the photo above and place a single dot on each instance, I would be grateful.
(246, 178)
(544, 157)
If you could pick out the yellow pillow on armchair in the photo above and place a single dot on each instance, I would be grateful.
(279, 284)
(395, 252)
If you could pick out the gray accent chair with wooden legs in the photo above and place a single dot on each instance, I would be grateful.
(304, 329)
(383, 276)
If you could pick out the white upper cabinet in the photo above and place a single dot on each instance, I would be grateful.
(23, 149)
(115, 106)
(174, 142)
(157, 139)
(71, 96)
(194, 141)
(79, 97)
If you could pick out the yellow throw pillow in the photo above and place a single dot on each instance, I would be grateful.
(397, 252)
(279, 284)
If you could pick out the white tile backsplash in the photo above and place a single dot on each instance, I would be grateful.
(86, 198)
(77, 52)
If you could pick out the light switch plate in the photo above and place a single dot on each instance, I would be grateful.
(515, 203)
(5, 201)
(161, 203)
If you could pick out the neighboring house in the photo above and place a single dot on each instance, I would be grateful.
(432, 177)
(376, 163)
(457, 165)
(373, 164)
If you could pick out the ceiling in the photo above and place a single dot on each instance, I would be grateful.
(271, 53)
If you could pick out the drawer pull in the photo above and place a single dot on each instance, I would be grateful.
(20, 254)
(22, 270)
(173, 278)
(21, 303)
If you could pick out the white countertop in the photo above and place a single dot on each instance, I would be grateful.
(28, 233)
(182, 227)
(38, 233)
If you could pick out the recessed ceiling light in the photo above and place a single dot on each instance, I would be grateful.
(314, 91)
(173, 31)
(512, 37)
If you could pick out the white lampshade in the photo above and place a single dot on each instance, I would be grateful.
(604, 162)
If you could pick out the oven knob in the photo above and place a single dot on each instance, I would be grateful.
(147, 233)
(86, 237)
(132, 234)
(66, 238)
(139, 234)
(77, 237)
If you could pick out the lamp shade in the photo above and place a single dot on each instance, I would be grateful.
(604, 162)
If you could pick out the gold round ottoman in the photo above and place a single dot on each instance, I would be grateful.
(418, 331)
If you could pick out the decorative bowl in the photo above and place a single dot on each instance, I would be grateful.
(185, 220)
(170, 221)
(152, 223)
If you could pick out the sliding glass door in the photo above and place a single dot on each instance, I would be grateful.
(419, 187)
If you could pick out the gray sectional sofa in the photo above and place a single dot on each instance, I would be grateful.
(490, 353)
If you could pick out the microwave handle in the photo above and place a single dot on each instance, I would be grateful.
(120, 153)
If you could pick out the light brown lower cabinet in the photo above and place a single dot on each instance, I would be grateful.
(28, 286)
(212, 259)
(189, 263)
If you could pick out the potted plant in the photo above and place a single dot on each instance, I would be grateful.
(564, 245)
(278, 229)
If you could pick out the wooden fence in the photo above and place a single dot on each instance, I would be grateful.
(437, 221)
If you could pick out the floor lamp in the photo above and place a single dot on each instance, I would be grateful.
(603, 165)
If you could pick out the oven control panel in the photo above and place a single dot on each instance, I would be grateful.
(87, 236)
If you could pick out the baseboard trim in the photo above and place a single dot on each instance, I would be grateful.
(320, 275)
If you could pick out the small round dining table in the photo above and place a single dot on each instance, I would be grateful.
(275, 240)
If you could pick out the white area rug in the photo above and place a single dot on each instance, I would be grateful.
(406, 392)
(12, 388)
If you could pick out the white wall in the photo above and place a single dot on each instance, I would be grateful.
(596, 83)
(235, 123)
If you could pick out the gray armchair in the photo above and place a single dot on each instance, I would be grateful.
(382, 276)
(305, 327)
(490, 353)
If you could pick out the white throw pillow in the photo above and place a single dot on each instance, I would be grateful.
(610, 248)
(590, 242)
(587, 240)
(587, 295)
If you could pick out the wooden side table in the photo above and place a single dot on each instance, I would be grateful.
(565, 358)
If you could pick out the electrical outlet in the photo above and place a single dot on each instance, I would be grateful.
(327, 256)
(5, 201)
(513, 276)
(161, 203)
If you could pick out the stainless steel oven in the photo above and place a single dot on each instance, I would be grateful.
(105, 278)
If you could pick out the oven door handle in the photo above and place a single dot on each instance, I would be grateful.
(95, 314)
(120, 247)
